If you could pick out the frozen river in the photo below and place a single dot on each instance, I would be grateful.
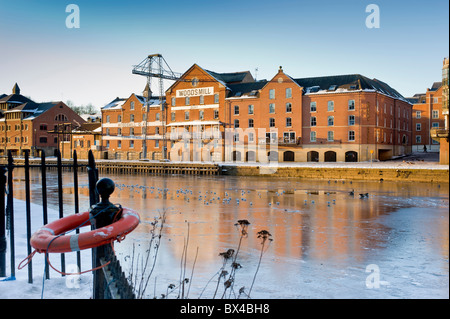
(326, 243)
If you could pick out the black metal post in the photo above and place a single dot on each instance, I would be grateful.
(102, 214)
(76, 200)
(60, 203)
(93, 199)
(44, 202)
(28, 213)
(10, 213)
(2, 222)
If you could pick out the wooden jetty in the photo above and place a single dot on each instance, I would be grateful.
(133, 167)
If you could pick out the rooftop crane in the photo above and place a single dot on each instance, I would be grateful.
(155, 66)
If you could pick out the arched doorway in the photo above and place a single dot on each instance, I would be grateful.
(288, 156)
(236, 156)
(330, 156)
(273, 156)
(351, 156)
(250, 156)
(312, 156)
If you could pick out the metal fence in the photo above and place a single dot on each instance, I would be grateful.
(104, 277)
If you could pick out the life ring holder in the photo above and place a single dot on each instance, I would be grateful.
(51, 239)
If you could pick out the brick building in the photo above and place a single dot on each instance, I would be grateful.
(331, 118)
(125, 129)
(440, 134)
(427, 114)
(27, 125)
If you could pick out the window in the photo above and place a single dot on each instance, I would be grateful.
(330, 106)
(236, 137)
(271, 137)
(313, 107)
(119, 118)
(272, 94)
(157, 116)
(236, 110)
(202, 99)
(435, 114)
(156, 130)
(351, 135)
(131, 117)
(251, 137)
(201, 115)
(108, 119)
(250, 109)
(236, 123)
(384, 110)
(313, 121)
(156, 143)
(435, 125)
(43, 139)
(250, 122)
(107, 131)
(174, 101)
(272, 122)
(288, 107)
(216, 98)
(288, 93)
(119, 132)
(418, 115)
(119, 144)
(351, 120)
(330, 136)
(330, 120)
(312, 137)
(131, 131)
(131, 144)
(288, 122)
(435, 100)
(418, 139)
(351, 105)
(216, 114)
(271, 108)
(172, 116)
(132, 105)
(186, 115)
(289, 137)
(418, 127)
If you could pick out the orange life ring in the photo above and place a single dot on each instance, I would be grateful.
(51, 233)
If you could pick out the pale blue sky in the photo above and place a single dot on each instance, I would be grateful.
(93, 64)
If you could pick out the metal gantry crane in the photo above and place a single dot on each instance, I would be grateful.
(155, 66)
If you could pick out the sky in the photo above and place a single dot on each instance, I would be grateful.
(93, 63)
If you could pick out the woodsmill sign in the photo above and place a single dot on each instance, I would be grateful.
(195, 92)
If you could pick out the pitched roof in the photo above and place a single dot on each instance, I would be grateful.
(41, 108)
(245, 89)
(347, 82)
(234, 77)
(436, 86)
(114, 104)
(15, 99)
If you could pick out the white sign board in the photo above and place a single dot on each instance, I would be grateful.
(195, 92)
